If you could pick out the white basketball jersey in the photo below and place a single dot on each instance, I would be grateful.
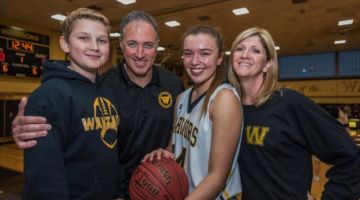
(192, 142)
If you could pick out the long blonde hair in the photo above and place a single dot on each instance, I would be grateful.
(270, 84)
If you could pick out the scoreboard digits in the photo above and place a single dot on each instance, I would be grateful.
(18, 45)
(22, 53)
(2, 56)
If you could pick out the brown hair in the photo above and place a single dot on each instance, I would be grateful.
(82, 13)
(220, 70)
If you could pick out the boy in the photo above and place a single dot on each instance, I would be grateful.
(78, 158)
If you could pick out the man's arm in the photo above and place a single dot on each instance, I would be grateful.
(25, 129)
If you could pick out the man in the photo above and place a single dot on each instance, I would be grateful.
(145, 94)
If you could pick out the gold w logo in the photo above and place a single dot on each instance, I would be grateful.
(165, 99)
(256, 135)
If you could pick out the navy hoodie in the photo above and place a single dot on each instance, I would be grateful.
(78, 159)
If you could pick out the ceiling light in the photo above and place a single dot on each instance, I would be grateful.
(277, 48)
(126, 2)
(161, 49)
(227, 52)
(240, 11)
(17, 28)
(115, 34)
(340, 42)
(172, 23)
(59, 17)
(345, 22)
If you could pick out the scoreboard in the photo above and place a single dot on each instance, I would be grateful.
(22, 53)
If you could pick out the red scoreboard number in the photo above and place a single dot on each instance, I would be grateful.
(2, 56)
(22, 58)
(20, 46)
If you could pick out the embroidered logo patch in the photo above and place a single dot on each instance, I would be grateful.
(165, 99)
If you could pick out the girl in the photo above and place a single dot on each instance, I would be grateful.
(208, 121)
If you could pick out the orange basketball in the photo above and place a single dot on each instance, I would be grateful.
(162, 179)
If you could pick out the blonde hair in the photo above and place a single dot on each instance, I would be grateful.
(82, 13)
(270, 84)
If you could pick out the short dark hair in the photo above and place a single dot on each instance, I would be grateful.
(138, 15)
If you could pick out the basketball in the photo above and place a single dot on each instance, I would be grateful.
(162, 179)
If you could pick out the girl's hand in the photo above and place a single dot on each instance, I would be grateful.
(158, 154)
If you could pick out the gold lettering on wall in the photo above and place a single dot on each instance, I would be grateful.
(326, 88)
(350, 86)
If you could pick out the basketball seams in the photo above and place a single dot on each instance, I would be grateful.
(136, 194)
(136, 190)
(159, 179)
(142, 169)
(155, 177)
(179, 177)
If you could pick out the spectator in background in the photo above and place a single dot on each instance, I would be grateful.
(343, 118)
(356, 111)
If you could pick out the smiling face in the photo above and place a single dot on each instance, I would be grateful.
(87, 46)
(138, 44)
(201, 57)
(249, 59)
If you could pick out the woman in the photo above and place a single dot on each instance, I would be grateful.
(207, 128)
(283, 129)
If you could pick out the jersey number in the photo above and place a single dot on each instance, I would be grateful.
(181, 158)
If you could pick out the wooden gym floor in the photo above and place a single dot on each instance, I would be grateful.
(11, 179)
(11, 168)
